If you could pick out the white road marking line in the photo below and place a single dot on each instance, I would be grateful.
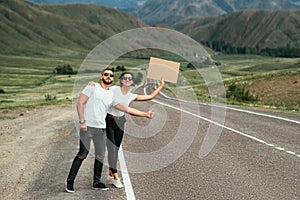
(125, 175)
(271, 145)
(254, 113)
(291, 152)
(236, 109)
(280, 149)
(225, 127)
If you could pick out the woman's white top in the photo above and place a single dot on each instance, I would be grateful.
(120, 97)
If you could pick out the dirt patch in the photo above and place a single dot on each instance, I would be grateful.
(279, 91)
(21, 141)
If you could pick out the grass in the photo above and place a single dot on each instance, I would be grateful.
(27, 81)
(273, 81)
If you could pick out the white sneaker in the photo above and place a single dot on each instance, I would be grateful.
(117, 183)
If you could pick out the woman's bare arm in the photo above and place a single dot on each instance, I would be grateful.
(152, 95)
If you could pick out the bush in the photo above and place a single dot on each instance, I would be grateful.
(49, 97)
(1, 91)
(120, 68)
(239, 93)
(65, 69)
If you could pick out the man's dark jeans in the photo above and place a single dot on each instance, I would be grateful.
(98, 135)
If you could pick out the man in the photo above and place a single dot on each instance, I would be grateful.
(92, 107)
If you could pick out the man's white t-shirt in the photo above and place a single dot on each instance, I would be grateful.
(123, 99)
(96, 108)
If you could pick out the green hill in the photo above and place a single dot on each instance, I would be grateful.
(274, 33)
(70, 29)
(171, 11)
(43, 29)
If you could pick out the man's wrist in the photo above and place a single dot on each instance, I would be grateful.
(82, 121)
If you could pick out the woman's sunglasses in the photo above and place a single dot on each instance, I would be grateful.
(108, 74)
(127, 78)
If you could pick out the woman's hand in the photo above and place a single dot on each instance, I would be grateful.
(161, 82)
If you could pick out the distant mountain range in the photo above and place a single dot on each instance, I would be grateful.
(275, 33)
(41, 29)
(124, 5)
(170, 11)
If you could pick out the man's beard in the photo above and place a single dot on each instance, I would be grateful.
(107, 82)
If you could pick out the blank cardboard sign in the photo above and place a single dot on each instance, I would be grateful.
(160, 68)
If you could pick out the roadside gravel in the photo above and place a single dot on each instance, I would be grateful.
(24, 142)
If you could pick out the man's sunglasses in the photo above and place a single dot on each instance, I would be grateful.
(108, 74)
(127, 78)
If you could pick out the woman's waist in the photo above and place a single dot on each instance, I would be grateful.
(115, 117)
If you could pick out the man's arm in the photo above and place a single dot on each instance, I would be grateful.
(80, 109)
(135, 112)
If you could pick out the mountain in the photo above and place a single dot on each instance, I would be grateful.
(171, 11)
(55, 29)
(124, 5)
(251, 31)
(27, 28)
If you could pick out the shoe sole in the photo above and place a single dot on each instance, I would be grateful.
(103, 189)
(118, 186)
(69, 191)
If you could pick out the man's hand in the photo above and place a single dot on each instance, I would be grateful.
(83, 127)
(150, 114)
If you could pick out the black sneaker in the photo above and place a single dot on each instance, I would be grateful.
(100, 185)
(69, 186)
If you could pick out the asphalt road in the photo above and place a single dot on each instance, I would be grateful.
(255, 157)
(252, 156)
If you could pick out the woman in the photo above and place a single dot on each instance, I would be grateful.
(115, 121)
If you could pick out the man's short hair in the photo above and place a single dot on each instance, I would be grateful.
(108, 68)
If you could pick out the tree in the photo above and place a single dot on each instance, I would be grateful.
(121, 68)
(65, 69)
